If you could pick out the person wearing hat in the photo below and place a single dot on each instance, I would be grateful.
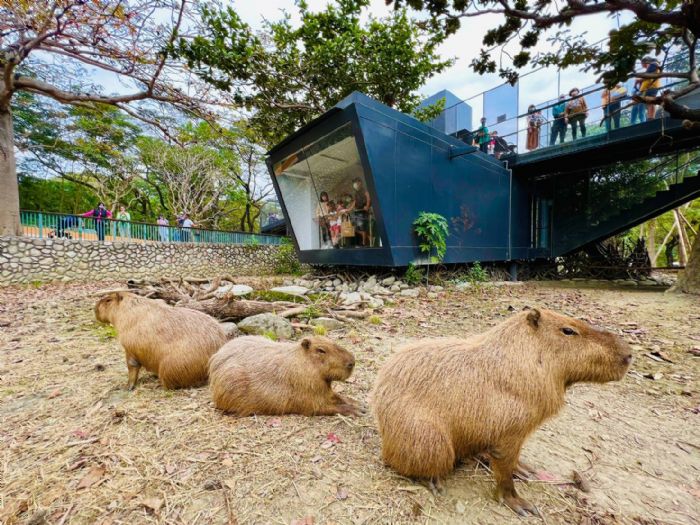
(100, 214)
(483, 137)
(577, 112)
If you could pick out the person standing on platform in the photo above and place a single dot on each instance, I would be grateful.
(534, 123)
(650, 86)
(162, 228)
(100, 214)
(559, 123)
(611, 101)
(124, 217)
(577, 112)
(483, 137)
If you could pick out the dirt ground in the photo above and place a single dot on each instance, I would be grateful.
(76, 447)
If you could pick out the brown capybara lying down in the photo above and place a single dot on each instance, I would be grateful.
(437, 401)
(174, 343)
(253, 375)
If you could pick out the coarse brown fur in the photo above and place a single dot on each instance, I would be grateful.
(174, 343)
(437, 401)
(253, 375)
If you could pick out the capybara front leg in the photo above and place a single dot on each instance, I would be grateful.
(134, 367)
(345, 404)
(504, 464)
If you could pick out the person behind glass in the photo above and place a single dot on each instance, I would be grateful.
(187, 225)
(124, 217)
(650, 86)
(162, 223)
(360, 211)
(560, 122)
(611, 101)
(100, 214)
(577, 112)
(534, 123)
(639, 113)
(482, 136)
(334, 223)
(322, 212)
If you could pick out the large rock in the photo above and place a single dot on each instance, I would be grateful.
(410, 292)
(351, 298)
(375, 302)
(291, 290)
(262, 324)
(231, 330)
(389, 281)
(327, 322)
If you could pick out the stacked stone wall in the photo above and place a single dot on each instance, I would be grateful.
(24, 260)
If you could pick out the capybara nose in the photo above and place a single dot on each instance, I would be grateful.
(627, 359)
(351, 365)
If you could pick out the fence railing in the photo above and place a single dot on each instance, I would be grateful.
(60, 225)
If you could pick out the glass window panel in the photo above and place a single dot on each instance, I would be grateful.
(325, 192)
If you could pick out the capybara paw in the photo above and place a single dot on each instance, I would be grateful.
(520, 506)
(436, 487)
(349, 410)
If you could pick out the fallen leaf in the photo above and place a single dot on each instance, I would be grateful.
(13, 510)
(695, 351)
(152, 504)
(227, 462)
(460, 508)
(333, 438)
(341, 494)
(170, 468)
(580, 482)
(306, 520)
(93, 476)
(543, 475)
(274, 422)
(54, 394)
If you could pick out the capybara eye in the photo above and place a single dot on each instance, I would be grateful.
(320, 350)
(568, 331)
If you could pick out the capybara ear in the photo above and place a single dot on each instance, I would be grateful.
(533, 317)
(119, 296)
(306, 343)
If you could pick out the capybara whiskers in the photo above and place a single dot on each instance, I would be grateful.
(253, 375)
(439, 400)
(174, 343)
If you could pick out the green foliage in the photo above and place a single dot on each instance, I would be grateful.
(476, 274)
(286, 260)
(312, 312)
(252, 241)
(289, 74)
(432, 231)
(320, 330)
(430, 112)
(413, 275)
(375, 320)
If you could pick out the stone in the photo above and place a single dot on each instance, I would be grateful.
(371, 282)
(328, 283)
(235, 289)
(410, 292)
(351, 298)
(231, 330)
(267, 323)
(327, 322)
(403, 286)
(436, 288)
(395, 288)
(389, 281)
(291, 290)
(337, 282)
(463, 286)
(375, 302)
(432, 295)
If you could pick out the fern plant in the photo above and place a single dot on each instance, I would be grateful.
(432, 231)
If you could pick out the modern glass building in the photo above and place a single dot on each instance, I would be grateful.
(352, 182)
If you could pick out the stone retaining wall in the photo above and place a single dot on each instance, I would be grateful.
(23, 260)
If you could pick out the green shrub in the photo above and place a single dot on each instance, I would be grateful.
(320, 330)
(375, 319)
(272, 336)
(286, 261)
(432, 231)
(476, 274)
(413, 275)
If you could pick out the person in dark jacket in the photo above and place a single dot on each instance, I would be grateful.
(100, 214)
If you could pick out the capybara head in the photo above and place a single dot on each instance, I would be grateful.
(107, 305)
(333, 361)
(579, 350)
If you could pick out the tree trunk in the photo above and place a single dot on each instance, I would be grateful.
(651, 241)
(689, 279)
(226, 309)
(682, 244)
(9, 192)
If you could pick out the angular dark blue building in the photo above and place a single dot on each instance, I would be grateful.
(352, 182)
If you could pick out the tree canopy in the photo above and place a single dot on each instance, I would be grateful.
(660, 27)
(287, 75)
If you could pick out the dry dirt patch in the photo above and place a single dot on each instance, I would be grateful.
(76, 447)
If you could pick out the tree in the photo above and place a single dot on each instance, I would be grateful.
(46, 46)
(288, 75)
(661, 26)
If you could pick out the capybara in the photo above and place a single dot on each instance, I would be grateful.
(437, 401)
(253, 375)
(174, 343)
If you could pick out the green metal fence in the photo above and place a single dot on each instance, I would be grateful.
(57, 225)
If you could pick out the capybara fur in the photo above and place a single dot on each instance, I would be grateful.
(437, 401)
(174, 343)
(253, 375)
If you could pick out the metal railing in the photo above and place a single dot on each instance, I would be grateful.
(60, 225)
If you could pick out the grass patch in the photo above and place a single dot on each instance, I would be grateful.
(320, 330)
(270, 296)
(272, 336)
(104, 332)
(375, 319)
